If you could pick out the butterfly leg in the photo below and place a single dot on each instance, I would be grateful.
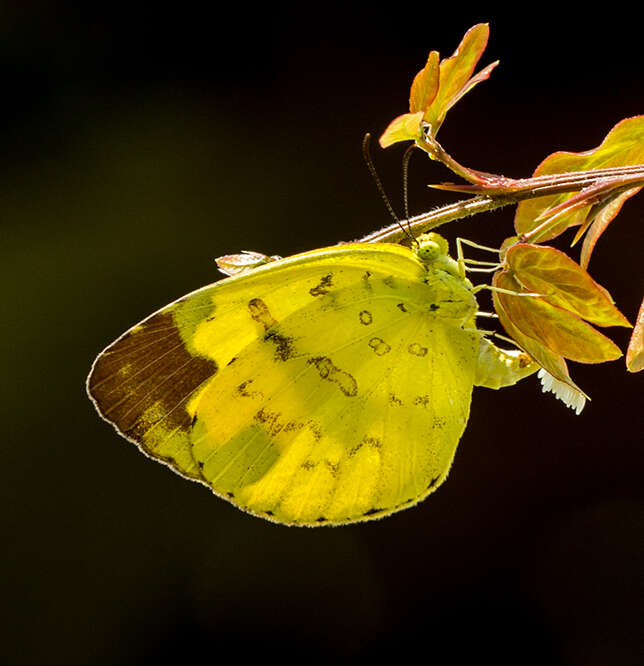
(468, 264)
(500, 290)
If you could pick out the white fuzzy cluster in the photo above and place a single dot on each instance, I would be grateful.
(572, 397)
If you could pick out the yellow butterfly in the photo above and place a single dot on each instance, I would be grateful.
(325, 388)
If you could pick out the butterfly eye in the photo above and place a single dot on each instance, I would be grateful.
(430, 247)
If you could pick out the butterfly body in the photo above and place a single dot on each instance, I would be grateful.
(325, 388)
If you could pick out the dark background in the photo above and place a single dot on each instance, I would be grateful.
(138, 144)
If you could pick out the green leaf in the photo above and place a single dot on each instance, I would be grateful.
(403, 128)
(563, 282)
(623, 146)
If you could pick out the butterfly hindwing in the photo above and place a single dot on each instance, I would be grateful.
(329, 387)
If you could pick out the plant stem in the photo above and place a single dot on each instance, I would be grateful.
(427, 221)
(512, 193)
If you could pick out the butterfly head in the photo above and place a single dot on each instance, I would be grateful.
(432, 249)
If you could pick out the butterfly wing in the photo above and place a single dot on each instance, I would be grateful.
(327, 388)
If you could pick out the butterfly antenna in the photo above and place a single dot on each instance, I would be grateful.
(405, 164)
(366, 152)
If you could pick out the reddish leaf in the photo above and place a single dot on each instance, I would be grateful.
(437, 87)
(456, 74)
(563, 283)
(548, 360)
(557, 329)
(623, 145)
(600, 221)
(635, 352)
(591, 200)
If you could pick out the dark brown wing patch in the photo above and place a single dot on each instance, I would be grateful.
(149, 367)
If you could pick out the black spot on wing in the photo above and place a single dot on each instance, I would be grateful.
(389, 282)
(316, 430)
(372, 512)
(395, 400)
(312, 427)
(374, 442)
(402, 307)
(270, 421)
(433, 307)
(328, 371)
(323, 286)
(310, 465)
(284, 347)
(417, 349)
(366, 318)
(260, 313)
(333, 467)
(421, 400)
(434, 482)
(291, 426)
(244, 389)
(379, 346)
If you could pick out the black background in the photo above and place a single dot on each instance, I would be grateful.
(140, 143)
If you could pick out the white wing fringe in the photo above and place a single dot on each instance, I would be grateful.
(568, 395)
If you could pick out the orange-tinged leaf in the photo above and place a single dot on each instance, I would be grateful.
(455, 73)
(563, 282)
(425, 85)
(548, 360)
(403, 128)
(623, 146)
(600, 221)
(635, 352)
(556, 329)
(438, 86)
(596, 200)
(483, 75)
